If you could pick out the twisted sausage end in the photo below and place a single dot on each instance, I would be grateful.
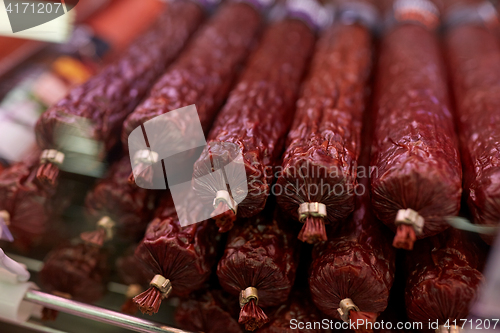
(363, 317)
(252, 316)
(313, 230)
(47, 174)
(405, 237)
(95, 237)
(149, 301)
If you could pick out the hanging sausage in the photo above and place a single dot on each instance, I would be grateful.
(318, 175)
(179, 259)
(416, 179)
(253, 124)
(202, 75)
(443, 277)
(90, 117)
(473, 58)
(259, 266)
(118, 207)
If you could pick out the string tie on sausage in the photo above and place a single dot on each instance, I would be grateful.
(149, 301)
(316, 209)
(104, 232)
(52, 156)
(409, 224)
(312, 214)
(251, 315)
(50, 161)
(345, 306)
(225, 209)
(350, 312)
(129, 307)
(422, 11)
(247, 295)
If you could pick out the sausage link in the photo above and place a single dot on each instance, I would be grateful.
(129, 208)
(204, 72)
(30, 210)
(357, 264)
(298, 307)
(203, 75)
(323, 144)
(259, 264)
(100, 105)
(209, 312)
(417, 169)
(255, 120)
(473, 57)
(183, 256)
(79, 272)
(444, 274)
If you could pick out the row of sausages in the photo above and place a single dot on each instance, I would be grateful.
(410, 139)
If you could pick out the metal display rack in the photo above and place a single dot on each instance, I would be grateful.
(93, 313)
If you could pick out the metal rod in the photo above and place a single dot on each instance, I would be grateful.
(98, 314)
(37, 327)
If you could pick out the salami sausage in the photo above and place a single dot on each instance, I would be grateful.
(416, 178)
(300, 309)
(352, 273)
(473, 57)
(259, 266)
(79, 272)
(318, 174)
(118, 207)
(132, 274)
(25, 206)
(202, 75)
(254, 123)
(99, 106)
(443, 278)
(211, 311)
(181, 257)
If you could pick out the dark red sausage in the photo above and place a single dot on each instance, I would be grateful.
(184, 256)
(259, 265)
(443, 278)
(132, 274)
(298, 314)
(114, 201)
(417, 172)
(473, 57)
(202, 75)
(211, 311)
(104, 101)
(319, 165)
(254, 122)
(28, 208)
(79, 272)
(357, 264)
